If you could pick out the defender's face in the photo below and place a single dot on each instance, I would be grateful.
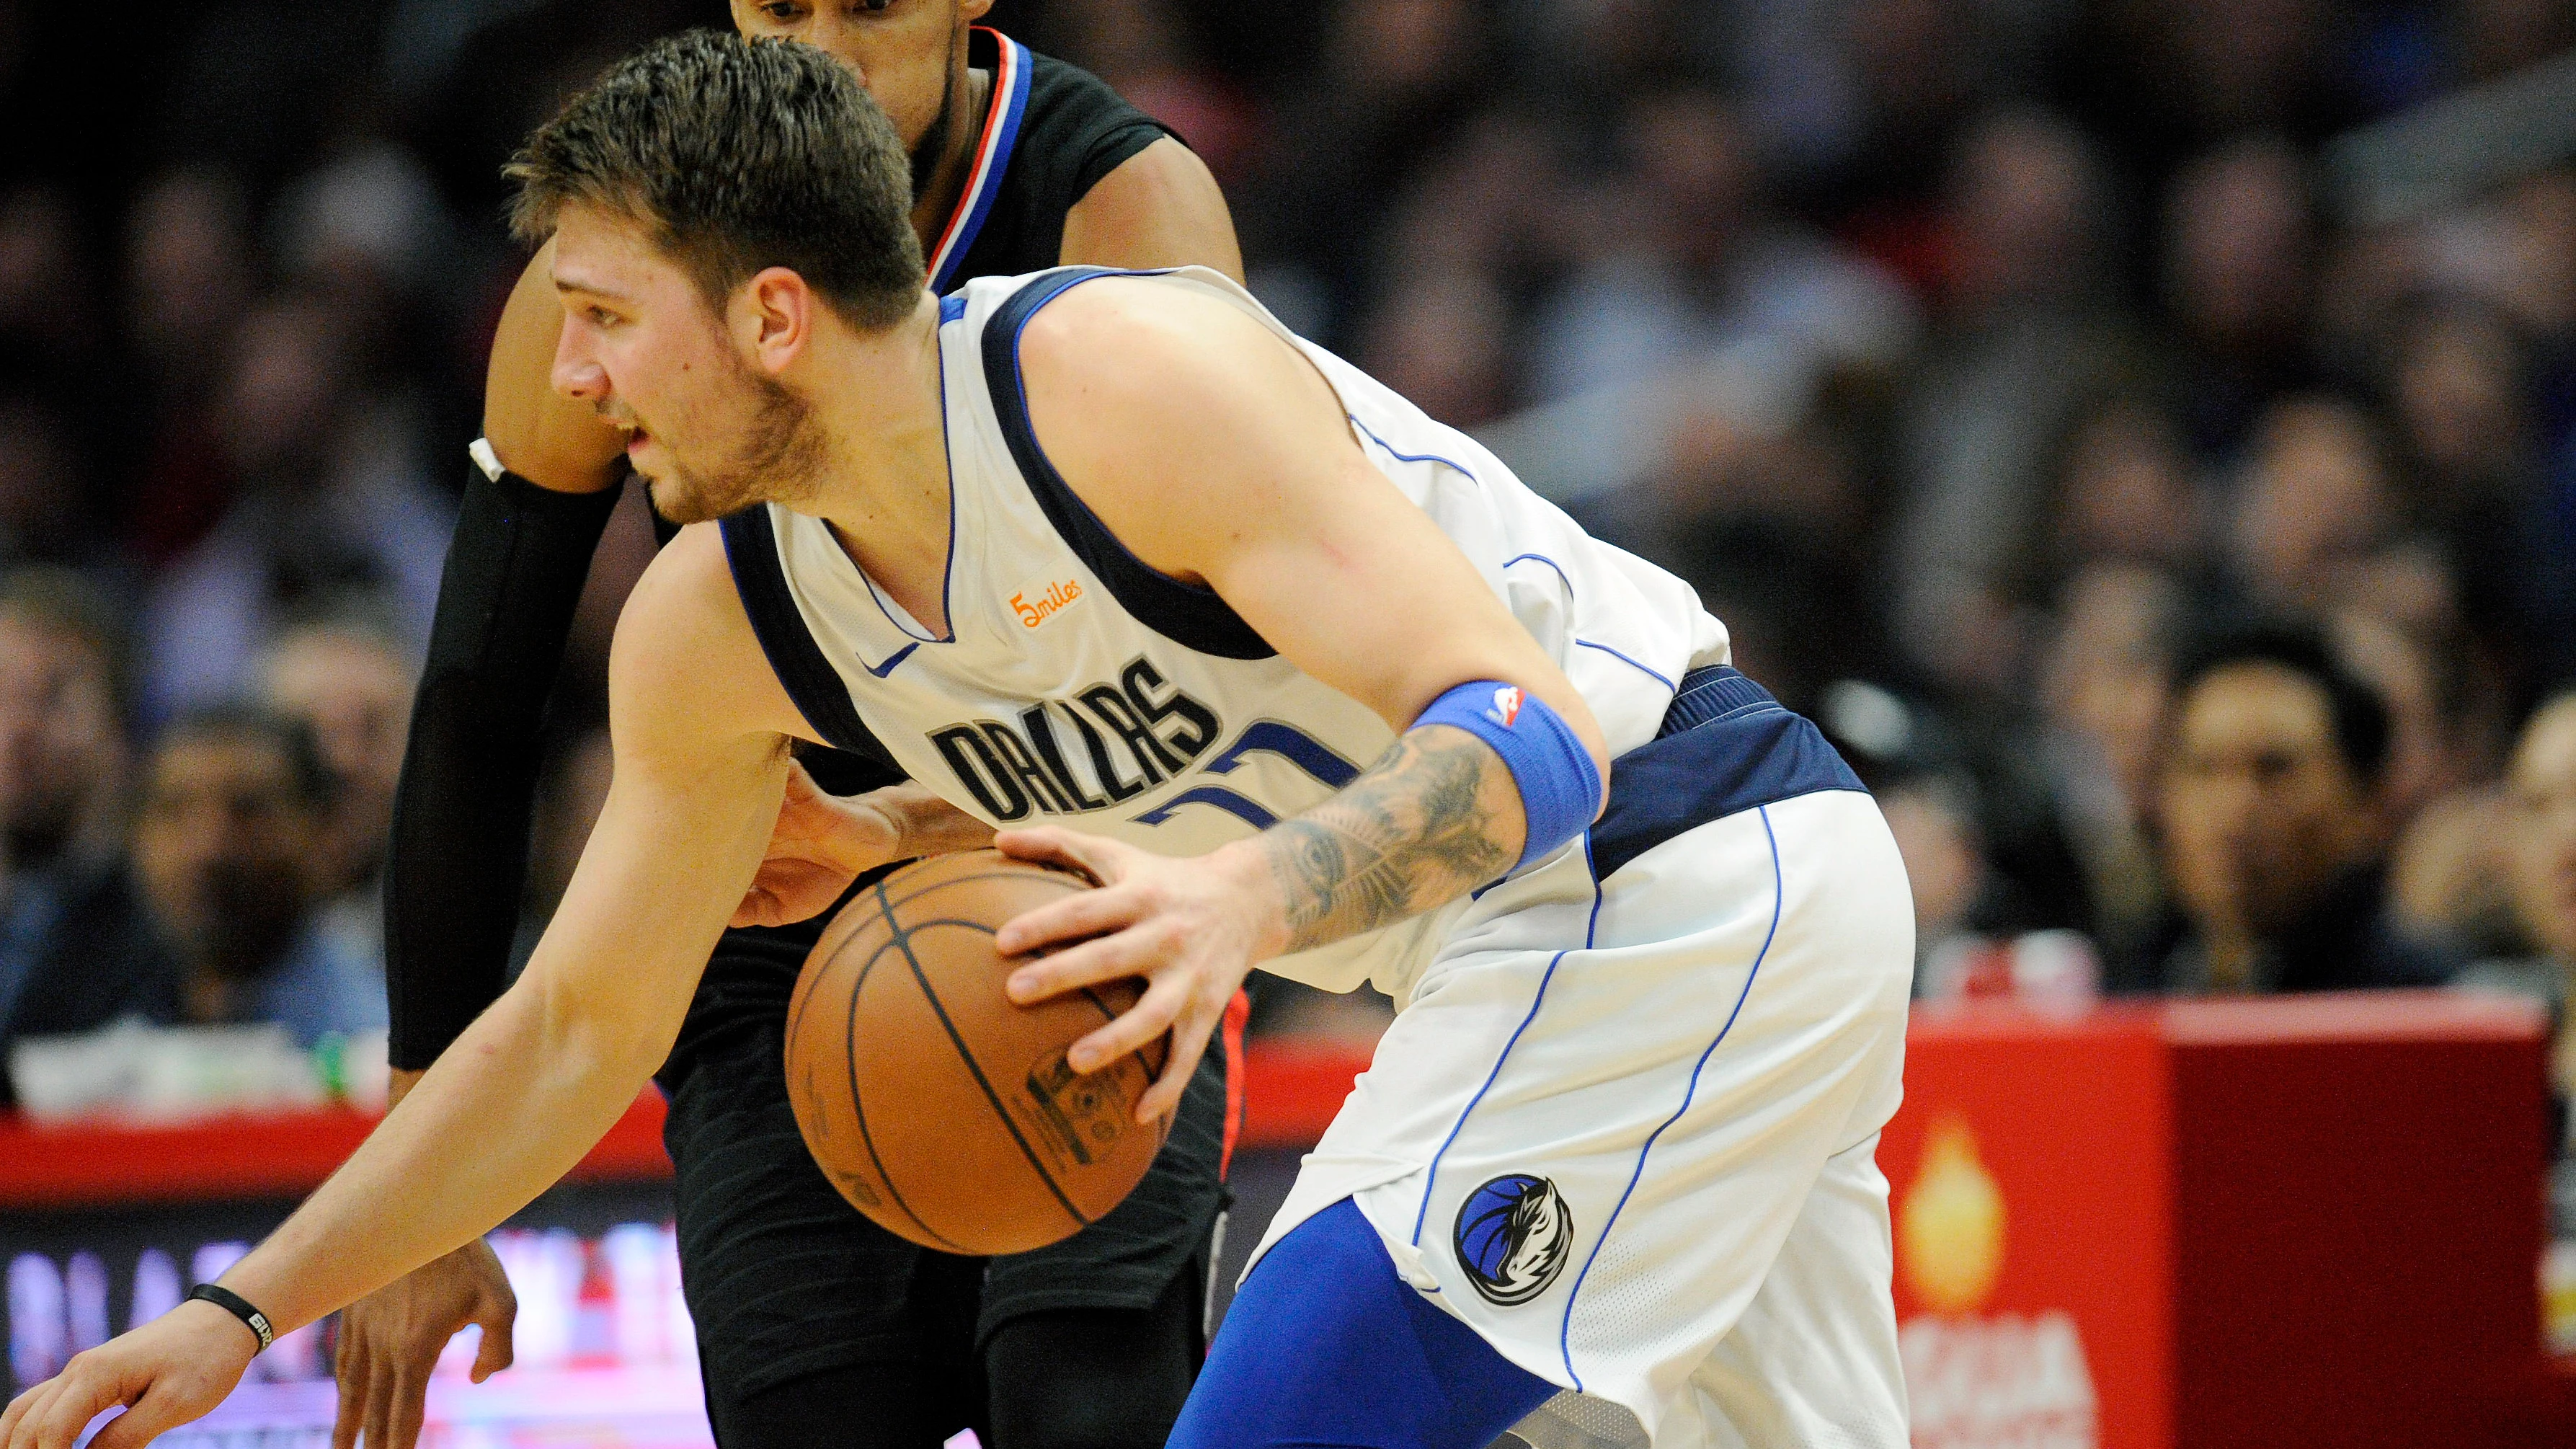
(642, 346)
(903, 50)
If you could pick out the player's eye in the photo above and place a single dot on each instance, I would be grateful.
(783, 11)
(602, 317)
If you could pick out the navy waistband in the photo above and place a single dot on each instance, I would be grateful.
(1726, 746)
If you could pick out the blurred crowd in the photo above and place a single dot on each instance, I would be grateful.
(2143, 435)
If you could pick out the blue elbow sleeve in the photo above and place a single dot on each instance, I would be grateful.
(1560, 786)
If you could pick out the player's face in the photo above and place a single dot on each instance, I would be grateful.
(710, 432)
(907, 52)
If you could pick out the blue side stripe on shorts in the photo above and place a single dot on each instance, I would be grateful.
(1565, 1330)
(1431, 1175)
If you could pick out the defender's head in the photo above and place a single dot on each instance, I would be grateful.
(911, 54)
(716, 203)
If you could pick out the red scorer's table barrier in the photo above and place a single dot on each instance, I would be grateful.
(2285, 1223)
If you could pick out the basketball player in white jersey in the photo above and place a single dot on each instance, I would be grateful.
(1309, 682)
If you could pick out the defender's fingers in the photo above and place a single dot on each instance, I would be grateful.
(1089, 854)
(380, 1406)
(1076, 917)
(1151, 1016)
(349, 1366)
(1134, 951)
(497, 1352)
(409, 1406)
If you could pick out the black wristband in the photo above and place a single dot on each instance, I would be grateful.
(238, 1306)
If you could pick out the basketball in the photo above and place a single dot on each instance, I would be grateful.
(941, 1109)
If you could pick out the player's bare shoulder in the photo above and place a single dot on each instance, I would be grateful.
(1169, 409)
(685, 656)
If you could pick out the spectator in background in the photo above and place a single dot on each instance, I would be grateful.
(76, 950)
(2104, 692)
(322, 516)
(2024, 335)
(2275, 825)
(230, 842)
(2238, 256)
(348, 683)
(2541, 849)
(2314, 504)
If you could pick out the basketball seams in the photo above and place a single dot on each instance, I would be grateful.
(902, 935)
(858, 1108)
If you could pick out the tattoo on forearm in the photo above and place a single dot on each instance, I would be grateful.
(1415, 831)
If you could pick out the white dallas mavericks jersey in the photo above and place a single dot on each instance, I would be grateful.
(1077, 686)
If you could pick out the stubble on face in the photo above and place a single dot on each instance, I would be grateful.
(778, 456)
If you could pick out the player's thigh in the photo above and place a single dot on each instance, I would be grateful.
(784, 1279)
(1813, 1359)
(1097, 1378)
(1326, 1348)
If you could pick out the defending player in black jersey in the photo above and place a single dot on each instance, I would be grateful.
(815, 1327)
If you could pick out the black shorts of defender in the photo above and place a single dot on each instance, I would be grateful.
(816, 1327)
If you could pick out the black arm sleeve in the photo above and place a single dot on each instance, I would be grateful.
(459, 857)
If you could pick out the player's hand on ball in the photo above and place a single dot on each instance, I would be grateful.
(166, 1373)
(390, 1340)
(1184, 925)
(823, 842)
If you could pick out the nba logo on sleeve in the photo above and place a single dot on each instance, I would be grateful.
(1513, 1237)
(1507, 706)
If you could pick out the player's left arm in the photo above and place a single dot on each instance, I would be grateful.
(1159, 208)
(1220, 456)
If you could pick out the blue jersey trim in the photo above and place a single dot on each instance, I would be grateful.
(1657, 675)
(1565, 1330)
(816, 689)
(1190, 615)
(952, 308)
(1417, 457)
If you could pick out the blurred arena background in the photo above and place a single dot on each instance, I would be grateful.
(2007, 374)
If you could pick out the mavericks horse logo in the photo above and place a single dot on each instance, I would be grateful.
(1513, 1237)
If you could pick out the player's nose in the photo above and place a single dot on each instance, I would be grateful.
(579, 378)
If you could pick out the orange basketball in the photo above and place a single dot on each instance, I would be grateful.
(938, 1107)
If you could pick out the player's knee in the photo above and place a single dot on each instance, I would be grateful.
(1068, 1415)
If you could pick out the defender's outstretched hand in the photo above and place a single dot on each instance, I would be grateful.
(823, 842)
(1193, 928)
(391, 1339)
(166, 1373)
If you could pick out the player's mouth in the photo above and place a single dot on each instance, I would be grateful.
(636, 438)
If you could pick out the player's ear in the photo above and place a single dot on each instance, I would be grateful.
(973, 10)
(774, 317)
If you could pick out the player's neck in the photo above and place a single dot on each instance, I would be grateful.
(886, 490)
(954, 138)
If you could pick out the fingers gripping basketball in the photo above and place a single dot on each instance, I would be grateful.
(940, 1109)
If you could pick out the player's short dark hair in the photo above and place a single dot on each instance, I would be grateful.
(740, 155)
(2358, 711)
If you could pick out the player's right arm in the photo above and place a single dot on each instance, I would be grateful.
(457, 860)
(698, 722)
